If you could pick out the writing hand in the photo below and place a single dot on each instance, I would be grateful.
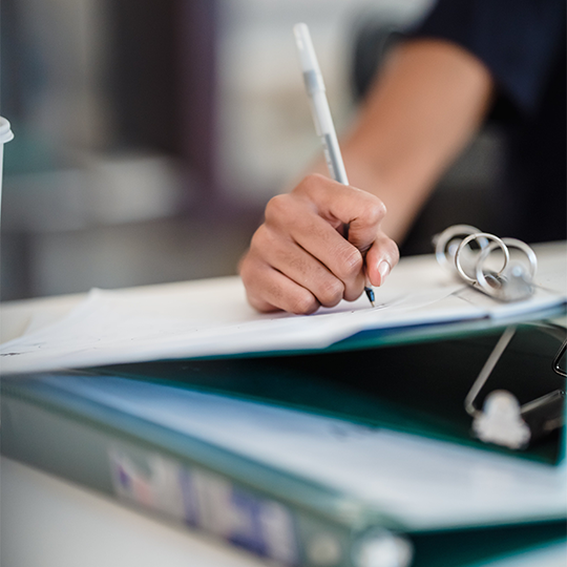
(298, 258)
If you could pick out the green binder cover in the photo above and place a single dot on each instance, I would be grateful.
(415, 388)
(259, 476)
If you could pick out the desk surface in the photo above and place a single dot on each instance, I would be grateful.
(52, 523)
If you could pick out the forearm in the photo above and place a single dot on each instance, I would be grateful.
(426, 104)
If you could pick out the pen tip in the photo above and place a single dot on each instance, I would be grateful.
(370, 294)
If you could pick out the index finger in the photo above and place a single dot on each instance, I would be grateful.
(341, 204)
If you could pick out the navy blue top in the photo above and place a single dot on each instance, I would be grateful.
(522, 42)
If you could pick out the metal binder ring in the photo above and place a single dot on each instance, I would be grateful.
(445, 250)
(527, 250)
(509, 243)
(478, 236)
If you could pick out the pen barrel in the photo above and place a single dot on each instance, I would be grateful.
(321, 113)
(333, 158)
(326, 131)
(313, 82)
(315, 87)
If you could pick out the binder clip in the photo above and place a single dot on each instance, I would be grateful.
(503, 268)
(502, 420)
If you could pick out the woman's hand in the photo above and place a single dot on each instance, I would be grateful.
(299, 259)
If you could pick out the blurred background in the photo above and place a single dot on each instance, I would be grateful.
(150, 135)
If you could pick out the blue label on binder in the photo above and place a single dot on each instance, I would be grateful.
(205, 500)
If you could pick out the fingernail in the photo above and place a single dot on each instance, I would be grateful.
(383, 270)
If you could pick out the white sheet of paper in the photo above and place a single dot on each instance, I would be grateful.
(212, 317)
(424, 483)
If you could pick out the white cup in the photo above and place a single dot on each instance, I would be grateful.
(5, 136)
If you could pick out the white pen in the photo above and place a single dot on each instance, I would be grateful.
(321, 112)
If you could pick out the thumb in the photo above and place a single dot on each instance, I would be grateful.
(381, 258)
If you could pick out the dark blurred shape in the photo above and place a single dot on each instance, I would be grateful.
(145, 73)
(523, 45)
(373, 41)
(162, 78)
(11, 40)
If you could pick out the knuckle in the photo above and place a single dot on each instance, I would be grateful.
(311, 186)
(259, 233)
(374, 211)
(258, 303)
(302, 303)
(331, 291)
(350, 264)
(245, 264)
(353, 293)
(243, 268)
(311, 180)
(261, 240)
(249, 270)
(276, 208)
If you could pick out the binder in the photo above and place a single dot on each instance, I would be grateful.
(184, 454)
(417, 388)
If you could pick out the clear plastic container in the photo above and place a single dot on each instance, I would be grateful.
(5, 136)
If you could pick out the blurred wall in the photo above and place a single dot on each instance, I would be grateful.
(266, 134)
(149, 135)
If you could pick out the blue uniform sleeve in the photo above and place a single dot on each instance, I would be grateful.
(518, 40)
